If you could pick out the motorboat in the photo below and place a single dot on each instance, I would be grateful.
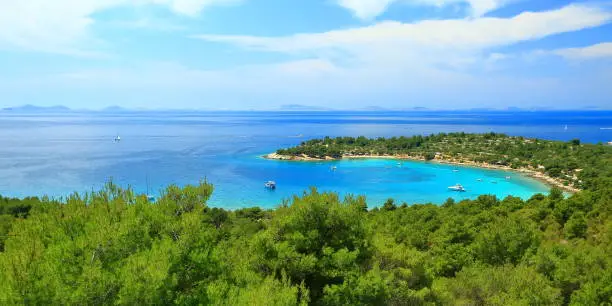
(457, 187)
(270, 184)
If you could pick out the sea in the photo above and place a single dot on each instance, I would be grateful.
(57, 154)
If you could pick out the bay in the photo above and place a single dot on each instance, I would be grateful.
(56, 154)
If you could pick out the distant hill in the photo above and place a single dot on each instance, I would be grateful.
(28, 108)
(300, 107)
(415, 109)
(374, 108)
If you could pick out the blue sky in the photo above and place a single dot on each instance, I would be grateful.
(345, 54)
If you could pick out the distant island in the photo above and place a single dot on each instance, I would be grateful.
(36, 109)
(302, 108)
(568, 165)
(29, 108)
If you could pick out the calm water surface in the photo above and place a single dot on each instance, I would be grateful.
(62, 153)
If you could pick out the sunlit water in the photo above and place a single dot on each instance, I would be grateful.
(62, 153)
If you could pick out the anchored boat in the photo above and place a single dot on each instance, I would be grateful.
(457, 187)
(270, 184)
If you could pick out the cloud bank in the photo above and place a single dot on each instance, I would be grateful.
(63, 26)
(369, 9)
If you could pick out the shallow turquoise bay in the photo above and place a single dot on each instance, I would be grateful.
(377, 179)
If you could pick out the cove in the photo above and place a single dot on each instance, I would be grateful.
(377, 179)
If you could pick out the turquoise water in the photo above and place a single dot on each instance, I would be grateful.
(62, 153)
(377, 179)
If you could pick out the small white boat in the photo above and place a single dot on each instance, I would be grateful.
(457, 187)
(565, 128)
(507, 177)
(270, 184)
(118, 138)
(333, 168)
(455, 170)
(480, 180)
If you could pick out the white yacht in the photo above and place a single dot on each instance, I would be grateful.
(270, 184)
(457, 187)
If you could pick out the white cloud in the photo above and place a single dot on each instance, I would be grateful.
(387, 61)
(193, 7)
(415, 60)
(597, 51)
(481, 7)
(427, 39)
(62, 26)
(310, 82)
(368, 9)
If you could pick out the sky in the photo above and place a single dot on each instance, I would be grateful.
(342, 54)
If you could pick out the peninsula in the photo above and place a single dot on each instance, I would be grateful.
(571, 166)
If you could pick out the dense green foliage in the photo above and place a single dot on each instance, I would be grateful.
(113, 247)
(580, 165)
(10, 209)
(116, 247)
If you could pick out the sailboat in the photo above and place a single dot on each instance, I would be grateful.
(565, 128)
(150, 197)
(117, 138)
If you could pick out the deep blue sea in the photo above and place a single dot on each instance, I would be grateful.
(57, 154)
